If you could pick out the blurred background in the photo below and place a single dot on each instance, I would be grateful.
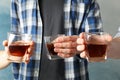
(110, 11)
(5, 74)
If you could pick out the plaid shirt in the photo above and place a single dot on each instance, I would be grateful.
(26, 18)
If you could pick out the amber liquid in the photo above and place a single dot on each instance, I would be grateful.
(18, 49)
(50, 47)
(96, 50)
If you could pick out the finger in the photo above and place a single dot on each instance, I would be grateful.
(84, 54)
(5, 43)
(108, 37)
(80, 41)
(66, 45)
(66, 38)
(65, 51)
(26, 58)
(32, 43)
(65, 55)
(82, 35)
(31, 48)
(81, 47)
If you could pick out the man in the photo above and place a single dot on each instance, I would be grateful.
(52, 17)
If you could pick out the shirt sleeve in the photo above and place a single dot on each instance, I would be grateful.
(93, 21)
(15, 23)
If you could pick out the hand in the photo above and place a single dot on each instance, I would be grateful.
(65, 46)
(81, 47)
(3, 60)
(82, 43)
(114, 49)
(26, 57)
(29, 52)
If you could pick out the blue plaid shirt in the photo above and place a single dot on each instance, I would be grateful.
(26, 18)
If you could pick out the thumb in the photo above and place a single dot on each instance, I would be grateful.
(5, 43)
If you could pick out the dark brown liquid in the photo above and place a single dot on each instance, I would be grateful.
(96, 50)
(18, 49)
(50, 47)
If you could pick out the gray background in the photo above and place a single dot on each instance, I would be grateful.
(110, 10)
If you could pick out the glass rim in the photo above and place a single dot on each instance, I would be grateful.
(19, 34)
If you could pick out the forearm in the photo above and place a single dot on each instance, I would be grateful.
(3, 60)
(113, 51)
